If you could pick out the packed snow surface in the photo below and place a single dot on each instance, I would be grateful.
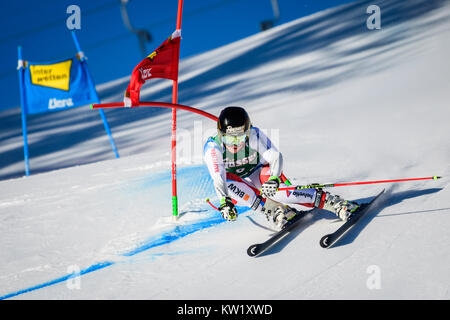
(342, 102)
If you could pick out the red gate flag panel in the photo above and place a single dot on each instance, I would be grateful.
(161, 63)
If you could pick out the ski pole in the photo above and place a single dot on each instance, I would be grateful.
(331, 185)
(207, 200)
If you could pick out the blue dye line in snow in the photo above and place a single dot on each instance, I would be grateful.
(177, 232)
(174, 234)
(92, 268)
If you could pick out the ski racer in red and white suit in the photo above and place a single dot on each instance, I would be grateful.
(247, 169)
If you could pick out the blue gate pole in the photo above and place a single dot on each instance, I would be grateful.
(91, 82)
(24, 115)
(108, 131)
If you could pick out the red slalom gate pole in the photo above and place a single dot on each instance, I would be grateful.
(331, 185)
(174, 127)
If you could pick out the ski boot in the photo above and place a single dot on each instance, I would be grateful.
(277, 213)
(342, 208)
(280, 216)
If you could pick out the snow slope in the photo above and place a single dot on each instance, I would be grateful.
(343, 103)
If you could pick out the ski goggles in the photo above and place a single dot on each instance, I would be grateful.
(234, 140)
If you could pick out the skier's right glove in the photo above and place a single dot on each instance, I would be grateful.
(227, 209)
(270, 187)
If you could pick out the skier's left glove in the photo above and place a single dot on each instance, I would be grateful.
(227, 209)
(270, 187)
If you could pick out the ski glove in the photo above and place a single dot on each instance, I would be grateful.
(227, 209)
(270, 187)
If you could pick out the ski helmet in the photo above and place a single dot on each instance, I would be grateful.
(233, 125)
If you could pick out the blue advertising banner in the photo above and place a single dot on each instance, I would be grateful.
(54, 86)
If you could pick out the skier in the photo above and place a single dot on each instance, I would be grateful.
(246, 169)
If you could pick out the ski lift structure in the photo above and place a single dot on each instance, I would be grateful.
(267, 24)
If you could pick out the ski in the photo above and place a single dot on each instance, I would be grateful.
(258, 248)
(330, 239)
